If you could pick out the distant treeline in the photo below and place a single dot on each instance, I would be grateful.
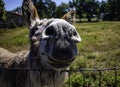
(105, 10)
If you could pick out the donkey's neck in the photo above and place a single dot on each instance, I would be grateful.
(46, 77)
(37, 60)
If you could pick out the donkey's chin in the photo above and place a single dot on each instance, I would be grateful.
(58, 64)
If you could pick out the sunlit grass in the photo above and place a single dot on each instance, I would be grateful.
(14, 39)
(100, 46)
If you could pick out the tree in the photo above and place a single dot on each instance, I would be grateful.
(2, 11)
(86, 7)
(45, 8)
(18, 10)
(39, 4)
(78, 5)
(91, 8)
(62, 9)
(113, 9)
(50, 8)
(102, 7)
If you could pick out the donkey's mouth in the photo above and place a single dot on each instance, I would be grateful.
(59, 64)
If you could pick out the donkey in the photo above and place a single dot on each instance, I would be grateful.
(52, 50)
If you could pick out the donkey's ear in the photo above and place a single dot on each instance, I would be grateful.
(30, 13)
(70, 16)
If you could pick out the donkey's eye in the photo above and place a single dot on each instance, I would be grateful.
(33, 30)
(50, 30)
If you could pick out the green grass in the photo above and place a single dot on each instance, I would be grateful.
(100, 45)
(99, 48)
(14, 39)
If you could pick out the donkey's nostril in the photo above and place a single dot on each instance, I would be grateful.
(50, 31)
(74, 33)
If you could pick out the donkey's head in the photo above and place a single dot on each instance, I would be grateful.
(56, 38)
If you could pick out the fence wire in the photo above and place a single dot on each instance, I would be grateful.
(100, 72)
(70, 83)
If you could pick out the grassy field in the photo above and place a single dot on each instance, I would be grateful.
(100, 47)
(14, 39)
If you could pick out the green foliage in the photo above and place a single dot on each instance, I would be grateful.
(51, 11)
(92, 79)
(112, 8)
(18, 9)
(62, 9)
(102, 7)
(13, 24)
(46, 8)
(89, 8)
(2, 11)
(84, 8)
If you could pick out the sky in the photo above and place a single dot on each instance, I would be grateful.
(12, 4)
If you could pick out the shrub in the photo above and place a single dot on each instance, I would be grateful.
(13, 24)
